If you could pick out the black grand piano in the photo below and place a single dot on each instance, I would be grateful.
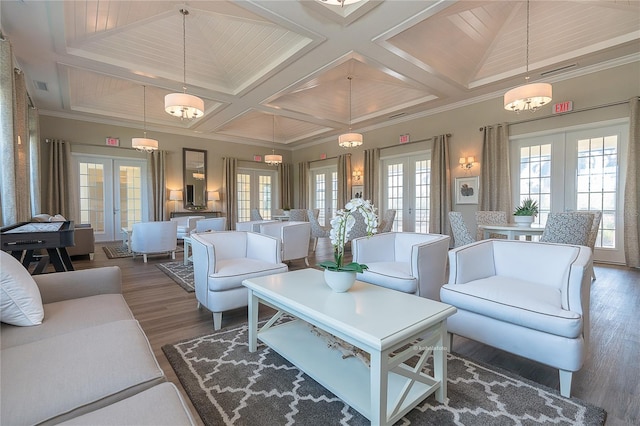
(24, 240)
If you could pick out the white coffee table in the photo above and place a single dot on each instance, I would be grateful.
(375, 319)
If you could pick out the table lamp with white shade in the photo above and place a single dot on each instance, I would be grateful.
(175, 195)
(213, 196)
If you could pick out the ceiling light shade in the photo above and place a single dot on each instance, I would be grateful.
(183, 105)
(529, 97)
(198, 176)
(144, 144)
(273, 159)
(350, 140)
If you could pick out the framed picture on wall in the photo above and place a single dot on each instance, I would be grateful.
(467, 190)
(356, 191)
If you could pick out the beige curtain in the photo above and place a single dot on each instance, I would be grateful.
(303, 184)
(371, 175)
(495, 175)
(8, 188)
(230, 168)
(632, 189)
(285, 176)
(60, 196)
(156, 163)
(440, 204)
(22, 162)
(344, 180)
(34, 162)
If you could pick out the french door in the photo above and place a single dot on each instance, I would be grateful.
(324, 193)
(112, 194)
(577, 170)
(405, 187)
(256, 189)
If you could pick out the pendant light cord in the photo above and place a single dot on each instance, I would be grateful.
(527, 76)
(184, 13)
(144, 109)
(350, 101)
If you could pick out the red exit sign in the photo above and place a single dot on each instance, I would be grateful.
(561, 107)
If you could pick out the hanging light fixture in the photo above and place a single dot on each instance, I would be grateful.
(350, 140)
(531, 96)
(144, 144)
(341, 3)
(273, 159)
(182, 104)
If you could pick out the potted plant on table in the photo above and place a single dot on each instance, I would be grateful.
(526, 212)
(340, 277)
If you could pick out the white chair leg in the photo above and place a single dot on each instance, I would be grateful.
(144, 256)
(217, 320)
(173, 255)
(91, 256)
(565, 383)
(306, 261)
(315, 244)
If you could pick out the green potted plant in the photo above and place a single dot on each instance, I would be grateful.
(526, 212)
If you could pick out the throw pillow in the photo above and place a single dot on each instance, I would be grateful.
(20, 301)
(58, 218)
(43, 217)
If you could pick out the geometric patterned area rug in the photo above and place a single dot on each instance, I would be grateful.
(116, 251)
(229, 385)
(179, 272)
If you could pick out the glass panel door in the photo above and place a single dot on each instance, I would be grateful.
(578, 170)
(255, 189)
(112, 194)
(324, 193)
(406, 185)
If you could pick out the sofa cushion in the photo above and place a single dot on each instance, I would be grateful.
(160, 405)
(68, 316)
(55, 379)
(515, 301)
(20, 301)
(231, 272)
(393, 275)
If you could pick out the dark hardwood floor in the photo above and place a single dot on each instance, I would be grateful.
(609, 379)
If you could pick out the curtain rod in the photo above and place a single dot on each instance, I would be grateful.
(567, 113)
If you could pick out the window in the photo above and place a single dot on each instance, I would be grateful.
(324, 193)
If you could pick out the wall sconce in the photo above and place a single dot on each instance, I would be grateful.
(175, 195)
(466, 163)
(357, 174)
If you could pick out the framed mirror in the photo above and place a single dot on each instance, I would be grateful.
(194, 167)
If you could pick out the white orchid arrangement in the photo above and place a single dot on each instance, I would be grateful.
(341, 226)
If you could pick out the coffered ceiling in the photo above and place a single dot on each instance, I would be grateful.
(250, 60)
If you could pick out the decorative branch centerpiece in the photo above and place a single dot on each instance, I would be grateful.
(341, 226)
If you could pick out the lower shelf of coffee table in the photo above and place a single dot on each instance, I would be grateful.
(347, 378)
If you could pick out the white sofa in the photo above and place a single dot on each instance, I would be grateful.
(527, 298)
(293, 235)
(405, 261)
(72, 351)
(222, 260)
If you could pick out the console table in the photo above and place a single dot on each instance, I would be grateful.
(205, 213)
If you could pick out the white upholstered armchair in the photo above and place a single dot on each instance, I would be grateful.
(405, 261)
(294, 237)
(186, 224)
(527, 298)
(222, 260)
(153, 238)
